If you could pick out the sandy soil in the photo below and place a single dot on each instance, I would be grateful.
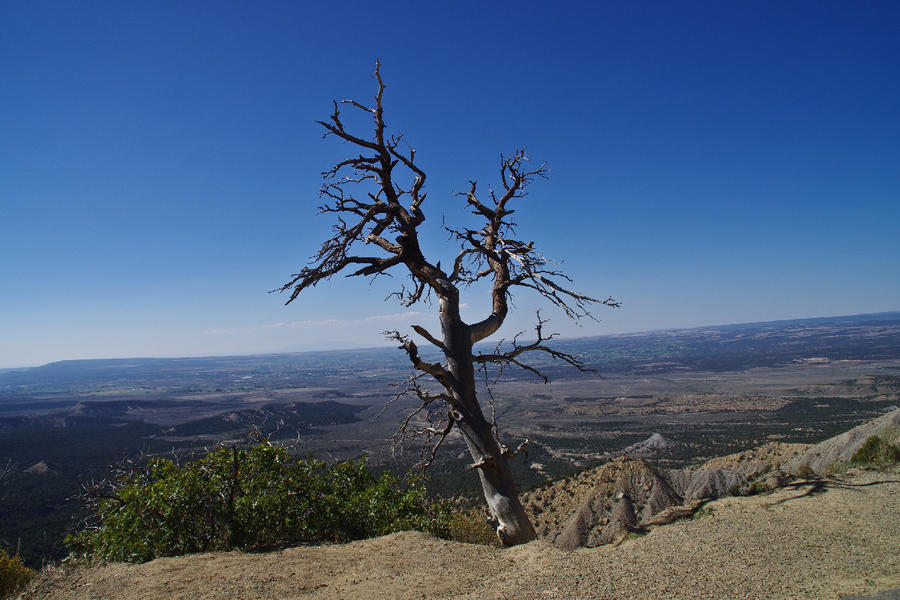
(805, 541)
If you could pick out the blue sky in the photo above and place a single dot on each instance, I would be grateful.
(712, 162)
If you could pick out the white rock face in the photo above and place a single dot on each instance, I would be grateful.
(40, 468)
(658, 442)
(649, 447)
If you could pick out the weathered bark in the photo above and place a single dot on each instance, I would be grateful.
(490, 252)
(510, 521)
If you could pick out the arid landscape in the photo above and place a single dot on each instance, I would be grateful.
(791, 382)
(818, 539)
(339, 300)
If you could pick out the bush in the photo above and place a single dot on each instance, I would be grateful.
(472, 527)
(757, 487)
(254, 498)
(706, 511)
(876, 452)
(13, 574)
(806, 472)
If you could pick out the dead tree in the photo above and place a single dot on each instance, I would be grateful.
(377, 196)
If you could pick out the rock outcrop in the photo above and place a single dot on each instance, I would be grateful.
(628, 493)
(826, 456)
(39, 468)
(759, 468)
(652, 446)
(601, 505)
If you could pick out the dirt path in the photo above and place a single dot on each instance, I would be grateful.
(806, 541)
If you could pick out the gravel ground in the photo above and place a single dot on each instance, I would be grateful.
(806, 541)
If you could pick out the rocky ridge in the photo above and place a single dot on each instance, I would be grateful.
(602, 505)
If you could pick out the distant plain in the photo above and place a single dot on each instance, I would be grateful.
(710, 391)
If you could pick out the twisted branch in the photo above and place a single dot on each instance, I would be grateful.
(376, 195)
(511, 357)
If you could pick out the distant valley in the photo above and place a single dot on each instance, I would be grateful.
(706, 391)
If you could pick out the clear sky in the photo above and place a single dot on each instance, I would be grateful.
(712, 162)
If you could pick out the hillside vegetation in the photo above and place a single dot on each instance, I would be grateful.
(254, 498)
(810, 538)
(807, 541)
(799, 382)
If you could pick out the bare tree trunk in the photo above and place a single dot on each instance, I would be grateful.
(511, 523)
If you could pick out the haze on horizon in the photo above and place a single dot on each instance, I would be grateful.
(711, 163)
(384, 344)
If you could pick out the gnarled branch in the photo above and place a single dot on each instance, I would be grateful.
(436, 370)
(511, 357)
(381, 162)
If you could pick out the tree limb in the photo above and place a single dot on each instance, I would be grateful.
(510, 357)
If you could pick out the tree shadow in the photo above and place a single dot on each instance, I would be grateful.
(814, 487)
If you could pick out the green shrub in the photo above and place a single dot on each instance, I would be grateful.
(13, 574)
(255, 498)
(876, 452)
(706, 511)
(472, 527)
(806, 471)
(757, 487)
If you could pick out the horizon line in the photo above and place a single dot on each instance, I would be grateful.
(382, 347)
